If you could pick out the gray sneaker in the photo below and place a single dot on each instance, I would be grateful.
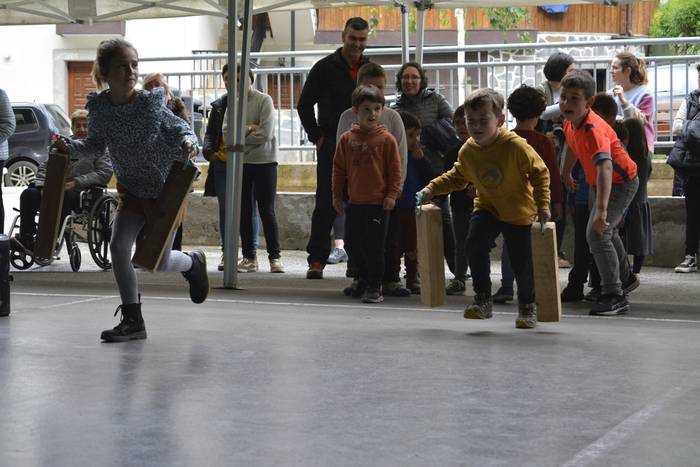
(456, 287)
(482, 308)
(689, 264)
(338, 255)
(527, 316)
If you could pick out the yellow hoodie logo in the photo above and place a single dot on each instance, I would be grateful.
(490, 175)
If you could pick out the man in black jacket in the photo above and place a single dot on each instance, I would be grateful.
(329, 85)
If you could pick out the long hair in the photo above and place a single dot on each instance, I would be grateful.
(637, 142)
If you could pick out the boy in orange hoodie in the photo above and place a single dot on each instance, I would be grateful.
(512, 186)
(367, 158)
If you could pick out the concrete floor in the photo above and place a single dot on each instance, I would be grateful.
(289, 372)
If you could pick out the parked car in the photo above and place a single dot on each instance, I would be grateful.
(29, 144)
(670, 85)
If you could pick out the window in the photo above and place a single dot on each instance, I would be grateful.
(26, 120)
(59, 117)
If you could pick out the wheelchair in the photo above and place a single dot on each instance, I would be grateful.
(92, 224)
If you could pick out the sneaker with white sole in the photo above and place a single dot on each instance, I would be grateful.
(338, 255)
(276, 265)
(221, 264)
(456, 287)
(689, 264)
(481, 308)
(248, 265)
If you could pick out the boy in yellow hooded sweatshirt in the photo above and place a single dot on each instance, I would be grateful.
(512, 184)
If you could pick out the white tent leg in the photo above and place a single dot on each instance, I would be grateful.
(420, 29)
(231, 224)
(236, 120)
(404, 34)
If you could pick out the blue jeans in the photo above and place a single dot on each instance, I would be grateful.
(607, 248)
(217, 169)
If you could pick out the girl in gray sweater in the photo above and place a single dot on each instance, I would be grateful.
(144, 138)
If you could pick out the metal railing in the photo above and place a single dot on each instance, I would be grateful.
(200, 80)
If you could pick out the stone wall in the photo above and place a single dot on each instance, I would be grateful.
(294, 219)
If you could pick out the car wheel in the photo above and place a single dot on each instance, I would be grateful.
(20, 173)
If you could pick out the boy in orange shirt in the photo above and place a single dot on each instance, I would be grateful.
(367, 157)
(612, 177)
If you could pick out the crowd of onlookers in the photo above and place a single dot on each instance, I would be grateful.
(575, 156)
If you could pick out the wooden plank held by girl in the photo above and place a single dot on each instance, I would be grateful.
(143, 138)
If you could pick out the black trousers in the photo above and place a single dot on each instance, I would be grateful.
(462, 208)
(259, 185)
(29, 204)
(392, 245)
(483, 230)
(366, 225)
(319, 246)
(692, 213)
(2, 204)
(583, 259)
(561, 223)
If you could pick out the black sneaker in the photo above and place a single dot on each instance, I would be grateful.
(130, 327)
(630, 284)
(593, 295)
(503, 295)
(372, 295)
(356, 289)
(395, 289)
(610, 305)
(572, 293)
(197, 277)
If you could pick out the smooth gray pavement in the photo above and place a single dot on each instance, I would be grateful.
(287, 371)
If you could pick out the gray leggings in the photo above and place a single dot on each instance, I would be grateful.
(127, 225)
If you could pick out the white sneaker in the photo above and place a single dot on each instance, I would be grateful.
(248, 265)
(221, 264)
(689, 264)
(338, 255)
(276, 265)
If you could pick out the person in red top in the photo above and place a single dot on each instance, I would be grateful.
(367, 158)
(612, 177)
(526, 104)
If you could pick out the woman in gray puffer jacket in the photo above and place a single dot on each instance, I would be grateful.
(435, 115)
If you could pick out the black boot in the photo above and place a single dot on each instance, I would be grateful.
(130, 327)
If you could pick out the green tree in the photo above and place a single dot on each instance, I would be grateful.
(677, 18)
(505, 19)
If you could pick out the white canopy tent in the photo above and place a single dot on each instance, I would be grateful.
(25, 12)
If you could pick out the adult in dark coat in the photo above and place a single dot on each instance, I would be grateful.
(329, 85)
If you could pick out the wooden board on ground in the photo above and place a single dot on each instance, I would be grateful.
(545, 265)
(51, 206)
(153, 239)
(431, 252)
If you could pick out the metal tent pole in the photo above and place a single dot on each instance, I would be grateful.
(405, 42)
(420, 31)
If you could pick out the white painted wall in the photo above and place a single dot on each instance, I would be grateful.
(33, 58)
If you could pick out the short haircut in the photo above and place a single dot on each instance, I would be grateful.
(526, 102)
(80, 113)
(224, 70)
(106, 52)
(605, 105)
(409, 120)
(638, 75)
(250, 72)
(697, 67)
(459, 113)
(579, 79)
(357, 23)
(485, 97)
(421, 72)
(367, 92)
(555, 68)
(370, 70)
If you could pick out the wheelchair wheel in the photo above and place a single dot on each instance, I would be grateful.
(100, 230)
(21, 260)
(74, 257)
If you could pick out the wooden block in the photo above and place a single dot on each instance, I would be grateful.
(51, 206)
(431, 253)
(546, 270)
(153, 239)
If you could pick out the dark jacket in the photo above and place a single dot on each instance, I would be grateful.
(430, 107)
(212, 137)
(329, 85)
